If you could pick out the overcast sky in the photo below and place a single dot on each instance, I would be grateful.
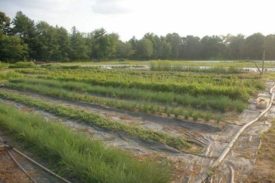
(136, 17)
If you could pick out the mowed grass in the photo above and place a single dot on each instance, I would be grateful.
(75, 155)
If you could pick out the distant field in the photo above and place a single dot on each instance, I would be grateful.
(212, 63)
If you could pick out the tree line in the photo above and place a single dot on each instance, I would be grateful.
(23, 39)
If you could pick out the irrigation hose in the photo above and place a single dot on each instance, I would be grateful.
(238, 134)
(7, 148)
(10, 148)
(41, 166)
(20, 166)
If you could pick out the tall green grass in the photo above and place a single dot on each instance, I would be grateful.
(75, 155)
(179, 143)
(236, 86)
(23, 64)
(140, 106)
(219, 103)
(177, 66)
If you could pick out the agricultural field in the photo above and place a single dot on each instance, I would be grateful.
(165, 63)
(130, 122)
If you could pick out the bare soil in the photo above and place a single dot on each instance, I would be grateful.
(9, 172)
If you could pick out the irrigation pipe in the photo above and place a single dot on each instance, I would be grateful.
(21, 167)
(8, 147)
(232, 174)
(41, 166)
(225, 152)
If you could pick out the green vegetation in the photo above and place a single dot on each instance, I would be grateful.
(193, 83)
(182, 95)
(141, 106)
(209, 97)
(22, 65)
(94, 119)
(75, 155)
(8, 74)
(219, 103)
(178, 66)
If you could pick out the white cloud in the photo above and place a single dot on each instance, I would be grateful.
(110, 7)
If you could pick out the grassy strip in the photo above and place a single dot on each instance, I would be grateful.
(176, 66)
(94, 119)
(141, 106)
(160, 81)
(219, 103)
(75, 155)
(195, 88)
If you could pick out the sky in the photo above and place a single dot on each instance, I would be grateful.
(131, 18)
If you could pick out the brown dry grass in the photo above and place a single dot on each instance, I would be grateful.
(264, 171)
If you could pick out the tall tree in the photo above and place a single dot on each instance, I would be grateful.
(145, 49)
(78, 46)
(12, 48)
(269, 47)
(103, 45)
(25, 29)
(124, 50)
(47, 42)
(212, 47)
(253, 46)
(234, 46)
(191, 48)
(63, 44)
(176, 43)
(4, 23)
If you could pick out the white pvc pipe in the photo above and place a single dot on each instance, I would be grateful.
(237, 135)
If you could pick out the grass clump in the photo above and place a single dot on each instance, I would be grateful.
(23, 65)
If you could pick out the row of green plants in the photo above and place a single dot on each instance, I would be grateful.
(234, 92)
(141, 76)
(218, 63)
(75, 155)
(245, 81)
(219, 103)
(179, 143)
(176, 66)
(129, 105)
